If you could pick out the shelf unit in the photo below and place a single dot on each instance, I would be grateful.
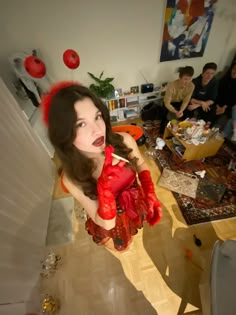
(129, 106)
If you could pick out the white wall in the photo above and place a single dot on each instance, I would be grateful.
(7, 46)
(120, 37)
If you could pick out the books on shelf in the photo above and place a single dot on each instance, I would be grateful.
(116, 103)
(130, 112)
(122, 102)
(112, 104)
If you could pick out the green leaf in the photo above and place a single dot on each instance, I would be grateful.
(93, 77)
(95, 89)
(107, 80)
(102, 88)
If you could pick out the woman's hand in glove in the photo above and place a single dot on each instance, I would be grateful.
(154, 208)
(154, 214)
(106, 198)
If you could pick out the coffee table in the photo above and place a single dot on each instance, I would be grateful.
(193, 152)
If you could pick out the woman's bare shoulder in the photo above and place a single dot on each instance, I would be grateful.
(127, 138)
(71, 186)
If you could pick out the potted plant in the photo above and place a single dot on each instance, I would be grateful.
(103, 87)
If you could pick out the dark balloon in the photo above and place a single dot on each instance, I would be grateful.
(34, 67)
(71, 59)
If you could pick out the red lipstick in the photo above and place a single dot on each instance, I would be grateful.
(99, 141)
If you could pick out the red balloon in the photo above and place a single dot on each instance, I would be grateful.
(35, 67)
(71, 59)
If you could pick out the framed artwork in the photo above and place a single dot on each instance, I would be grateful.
(134, 89)
(187, 26)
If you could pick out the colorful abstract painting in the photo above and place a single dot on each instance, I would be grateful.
(186, 28)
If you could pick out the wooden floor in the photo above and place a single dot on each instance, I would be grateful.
(153, 277)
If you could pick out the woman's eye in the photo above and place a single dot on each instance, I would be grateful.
(82, 124)
(99, 116)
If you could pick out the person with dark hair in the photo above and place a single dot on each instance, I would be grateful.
(178, 93)
(202, 104)
(230, 128)
(99, 166)
(226, 103)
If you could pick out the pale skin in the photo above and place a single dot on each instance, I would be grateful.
(93, 126)
(207, 76)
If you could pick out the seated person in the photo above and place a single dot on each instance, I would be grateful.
(226, 100)
(202, 104)
(178, 93)
(231, 126)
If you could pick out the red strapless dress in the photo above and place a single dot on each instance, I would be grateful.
(131, 209)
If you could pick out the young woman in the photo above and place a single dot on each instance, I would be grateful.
(104, 184)
(178, 93)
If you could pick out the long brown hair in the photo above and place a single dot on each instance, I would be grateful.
(62, 132)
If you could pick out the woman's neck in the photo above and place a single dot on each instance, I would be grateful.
(93, 155)
(204, 82)
(181, 84)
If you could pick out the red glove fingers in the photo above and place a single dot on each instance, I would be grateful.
(154, 214)
(154, 208)
(106, 199)
(108, 155)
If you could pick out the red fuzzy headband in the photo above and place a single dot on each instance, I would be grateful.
(47, 98)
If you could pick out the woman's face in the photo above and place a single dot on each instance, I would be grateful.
(233, 72)
(90, 127)
(185, 79)
(208, 75)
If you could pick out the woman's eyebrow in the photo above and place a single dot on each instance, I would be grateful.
(98, 111)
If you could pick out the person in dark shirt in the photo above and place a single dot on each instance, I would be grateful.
(202, 104)
(230, 127)
(226, 103)
(232, 123)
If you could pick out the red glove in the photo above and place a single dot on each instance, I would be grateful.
(106, 198)
(154, 211)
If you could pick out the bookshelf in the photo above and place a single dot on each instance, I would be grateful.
(129, 106)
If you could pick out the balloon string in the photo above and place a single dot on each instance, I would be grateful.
(72, 75)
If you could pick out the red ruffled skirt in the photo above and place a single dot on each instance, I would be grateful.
(131, 211)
